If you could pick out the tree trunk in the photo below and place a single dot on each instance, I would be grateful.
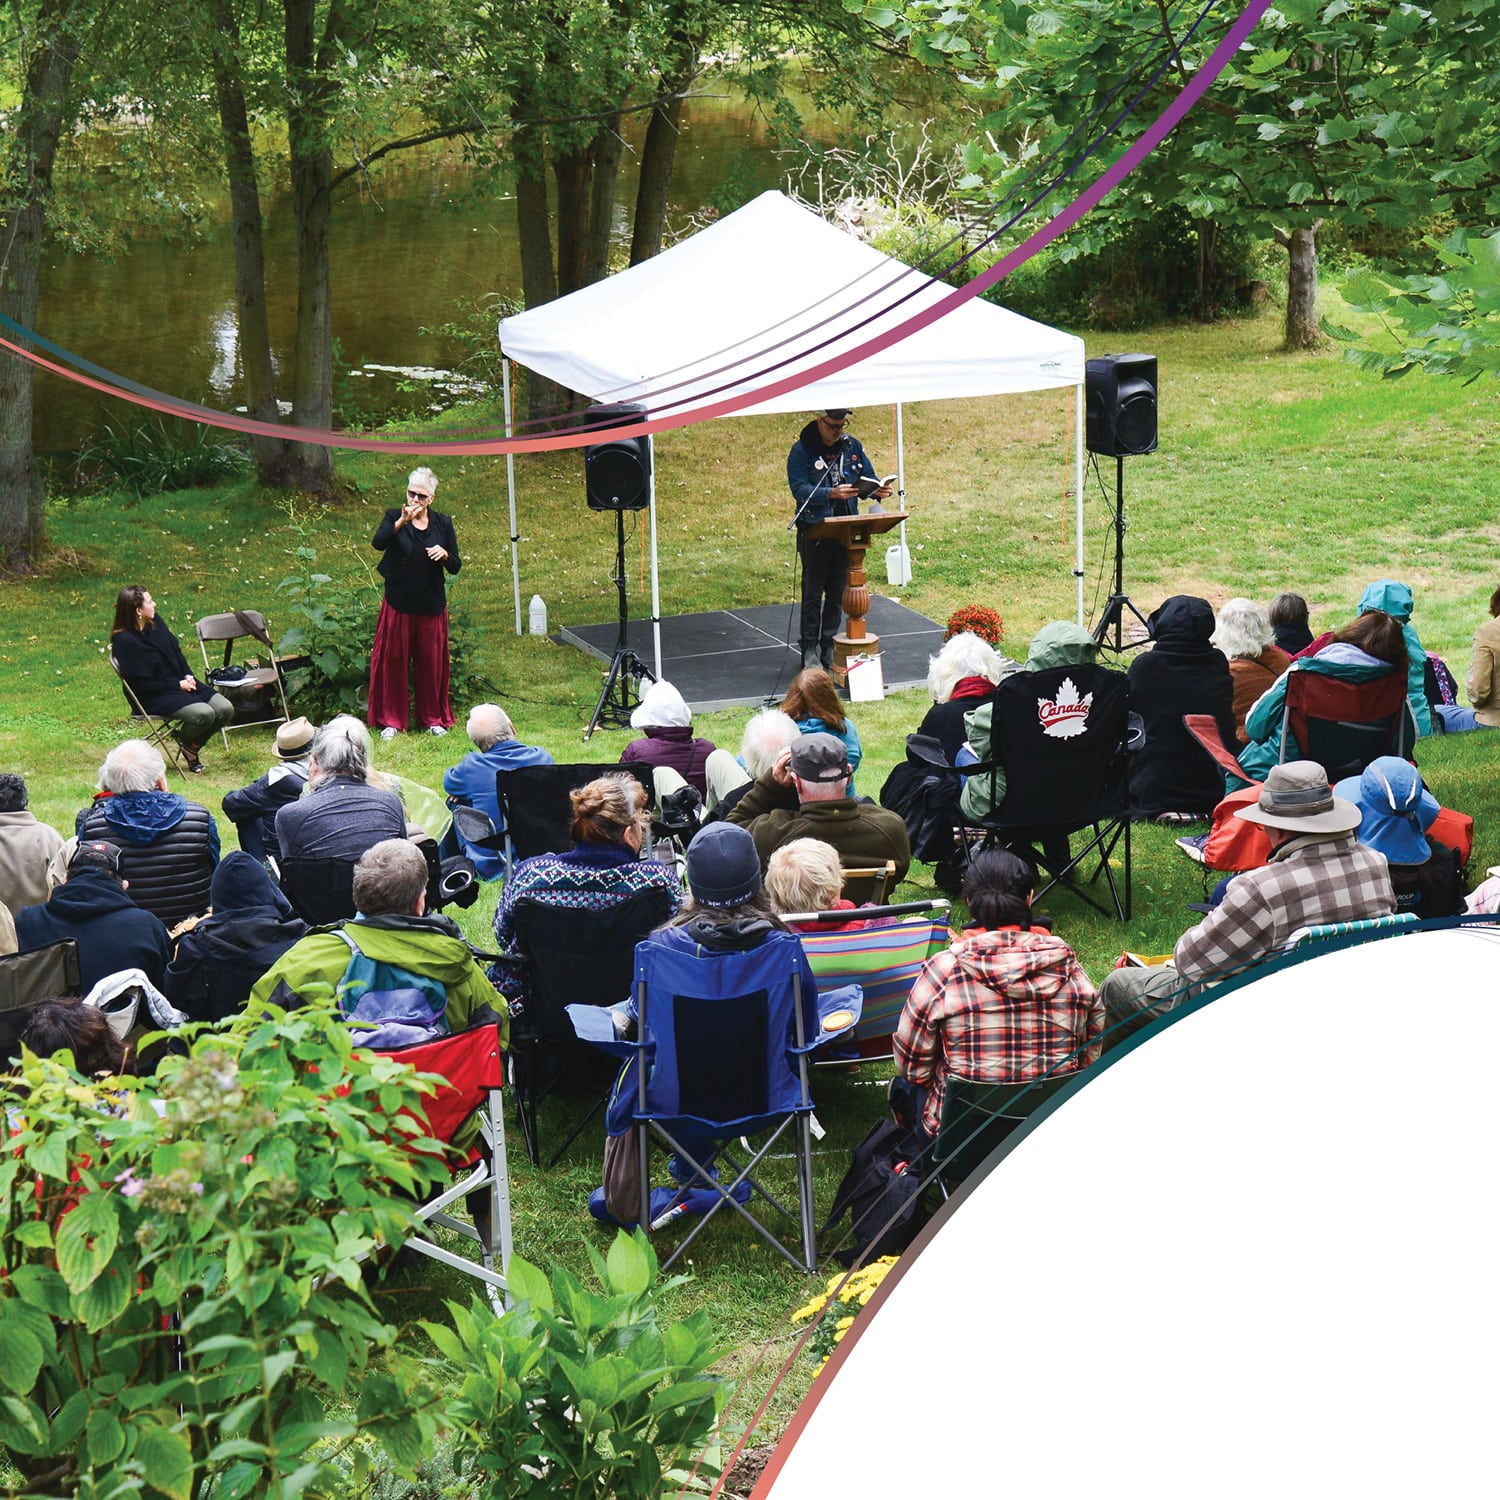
(35, 129)
(607, 149)
(312, 173)
(544, 398)
(571, 170)
(1207, 237)
(659, 154)
(1302, 330)
(273, 456)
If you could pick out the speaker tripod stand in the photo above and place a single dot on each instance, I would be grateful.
(1115, 607)
(621, 686)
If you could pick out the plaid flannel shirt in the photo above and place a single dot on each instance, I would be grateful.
(1000, 1006)
(1309, 881)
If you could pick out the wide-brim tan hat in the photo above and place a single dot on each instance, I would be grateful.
(1297, 797)
(293, 738)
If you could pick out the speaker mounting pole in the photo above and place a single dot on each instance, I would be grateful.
(621, 687)
(1118, 602)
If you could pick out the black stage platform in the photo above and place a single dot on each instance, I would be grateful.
(733, 657)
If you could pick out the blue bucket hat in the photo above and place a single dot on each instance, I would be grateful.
(1395, 809)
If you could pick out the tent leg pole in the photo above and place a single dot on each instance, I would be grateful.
(901, 478)
(1078, 491)
(510, 484)
(655, 576)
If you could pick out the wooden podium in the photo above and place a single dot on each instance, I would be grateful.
(854, 533)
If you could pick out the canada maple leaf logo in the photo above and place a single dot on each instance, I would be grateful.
(1067, 714)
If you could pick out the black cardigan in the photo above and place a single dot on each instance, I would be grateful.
(413, 582)
(152, 663)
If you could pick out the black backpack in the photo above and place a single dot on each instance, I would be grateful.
(882, 1191)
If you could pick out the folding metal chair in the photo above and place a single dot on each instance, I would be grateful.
(535, 809)
(723, 1053)
(884, 961)
(472, 1069)
(568, 955)
(1060, 738)
(239, 625)
(159, 731)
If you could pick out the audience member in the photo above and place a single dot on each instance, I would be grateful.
(93, 908)
(253, 809)
(1060, 644)
(406, 947)
(965, 671)
(1396, 811)
(252, 924)
(1288, 617)
(341, 814)
(1369, 648)
(26, 848)
(668, 742)
(805, 875)
(1007, 1003)
(1319, 872)
(1172, 777)
(168, 845)
(603, 868)
(1243, 633)
(471, 783)
(67, 1024)
(813, 701)
(1484, 682)
(807, 796)
(1395, 600)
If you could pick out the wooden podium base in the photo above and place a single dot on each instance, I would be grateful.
(855, 533)
(845, 646)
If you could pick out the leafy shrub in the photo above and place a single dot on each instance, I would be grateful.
(156, 453)
(182, 1300)
(573, 1393)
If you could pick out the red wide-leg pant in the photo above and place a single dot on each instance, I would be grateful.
(414, 643)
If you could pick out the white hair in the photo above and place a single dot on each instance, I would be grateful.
(342, 747)
(766, 735)
(488, 725)
(423, 476)
(804, 875)
(1242, 628)
(132, 766)
(965, 655)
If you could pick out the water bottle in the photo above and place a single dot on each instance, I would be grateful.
(538, 615)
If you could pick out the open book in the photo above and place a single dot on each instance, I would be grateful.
(867, 487)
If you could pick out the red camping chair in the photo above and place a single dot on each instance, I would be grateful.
(470, 1064)
(1345, 725)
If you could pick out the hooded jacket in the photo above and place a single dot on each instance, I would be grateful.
(169, 848)
(251, 926)
(1183, 673)
(471, 783)
(1001, 1005)
(1060, 644)
(26, 849)
(430, 946)
(1396, 600)
(111, 930)
(671, 745)
(252, 809)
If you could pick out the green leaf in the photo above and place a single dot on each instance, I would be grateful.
(42, 1287)
(87, 1239)
(527, 1284)
(49, 1156)
(33, 1232)
(238, 1480)
(104, 1438)
(102, 1301)
(69, 1420)
(167, 1458)
(21, 1356)
(629, 1267)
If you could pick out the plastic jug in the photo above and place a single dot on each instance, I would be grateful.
(538, 615)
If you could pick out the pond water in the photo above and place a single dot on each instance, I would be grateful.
(424, 235)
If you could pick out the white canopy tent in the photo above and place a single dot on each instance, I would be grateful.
(766, 291)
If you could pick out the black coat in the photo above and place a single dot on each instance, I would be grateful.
(1182, 674)
(413, 582)
(152, 663)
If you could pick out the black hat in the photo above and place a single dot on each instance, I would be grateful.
(837, 413)
(95, 855)
(723, 868)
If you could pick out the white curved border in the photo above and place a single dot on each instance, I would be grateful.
(1256, 1256)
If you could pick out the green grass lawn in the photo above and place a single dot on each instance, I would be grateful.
(1274, 472)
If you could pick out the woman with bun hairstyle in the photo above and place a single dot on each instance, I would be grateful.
(604, 866)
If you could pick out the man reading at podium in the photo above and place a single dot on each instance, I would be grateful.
(824, 469)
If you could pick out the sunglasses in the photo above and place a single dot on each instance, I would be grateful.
(417, 495)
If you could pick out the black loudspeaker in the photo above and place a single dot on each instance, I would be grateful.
(617, 474)
(1120, 409)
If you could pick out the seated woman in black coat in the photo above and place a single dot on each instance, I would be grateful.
(966, 671)
(154, 669)
(1172, 776)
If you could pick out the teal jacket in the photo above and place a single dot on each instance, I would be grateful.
(1263, 722)
(1396, 600)
(1060, 644)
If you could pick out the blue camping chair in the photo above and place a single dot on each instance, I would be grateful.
(722, 1053)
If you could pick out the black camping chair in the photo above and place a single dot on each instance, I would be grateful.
(535, 809)
(977, 1117)
(320, 890)
(568, 955)
(1060, 738)
(26, 979)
